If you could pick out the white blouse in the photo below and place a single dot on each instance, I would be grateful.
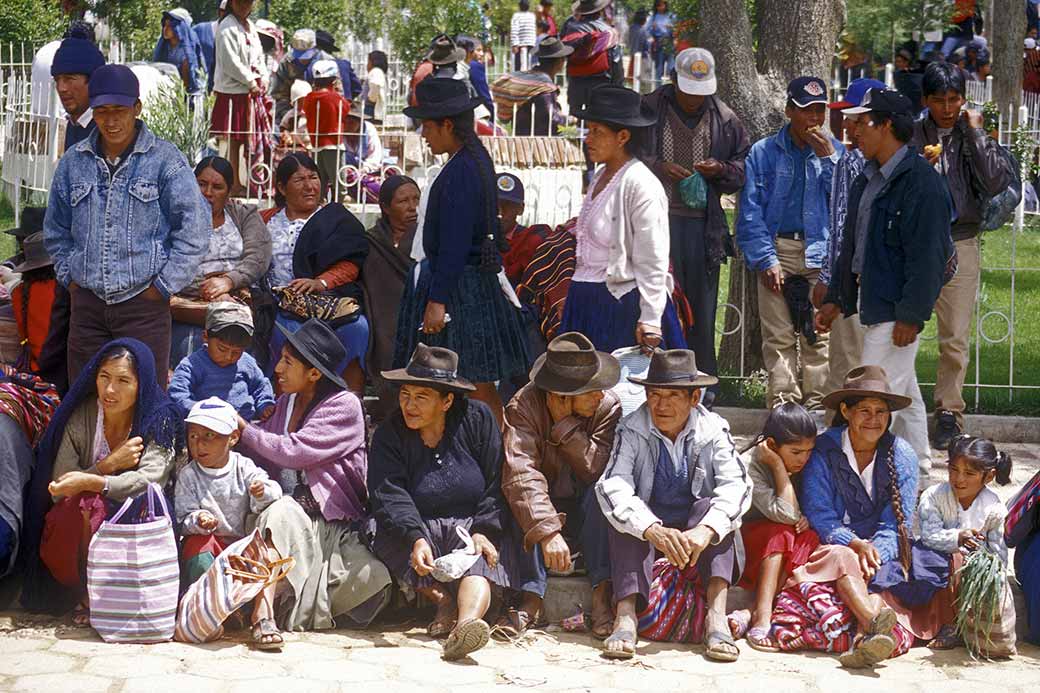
(595, 229)
(284, 234)
(225, 249)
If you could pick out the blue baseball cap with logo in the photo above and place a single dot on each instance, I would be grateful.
(510, 188)
(114, 85)
(806, 91)
(857, 90)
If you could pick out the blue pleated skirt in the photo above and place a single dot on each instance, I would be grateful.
(610, 323)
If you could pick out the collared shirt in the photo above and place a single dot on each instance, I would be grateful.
(846, 171)
(113, 166)
(866, 476)
(79, 129)
(793, 219)
(874, 185)
(677, 449)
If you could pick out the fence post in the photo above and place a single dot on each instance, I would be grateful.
(890, 73)
(989, 88)
(637, 71)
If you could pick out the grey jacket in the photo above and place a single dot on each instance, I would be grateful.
(989, 166)
(256, 248)
(716, 472)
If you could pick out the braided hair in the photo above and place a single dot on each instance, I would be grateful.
(494, 242)
(905, 542)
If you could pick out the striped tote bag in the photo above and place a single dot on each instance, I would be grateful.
(235, 578)
(132, 574)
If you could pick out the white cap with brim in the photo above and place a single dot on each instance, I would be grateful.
(215, 414)
(695, 72)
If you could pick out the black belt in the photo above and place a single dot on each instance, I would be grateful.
(792, 235)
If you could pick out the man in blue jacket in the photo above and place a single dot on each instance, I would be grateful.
(782, 231)
(126, 226)
(896, 253)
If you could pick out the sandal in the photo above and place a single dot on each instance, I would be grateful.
(761, 639)
(602, 622)
(739, 621)
(81, 615)
(514, 624)
(466, 638)
(868, 652)
(440, 629)
(883, 623)
(716, 643)
(628, 650)
(267, 628)
(946, 639)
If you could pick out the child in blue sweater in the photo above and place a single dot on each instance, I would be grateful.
(222, 368)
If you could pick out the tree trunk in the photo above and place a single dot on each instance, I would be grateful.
(1007, 26)
(793, 37)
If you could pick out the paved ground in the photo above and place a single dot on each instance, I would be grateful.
(46, 655)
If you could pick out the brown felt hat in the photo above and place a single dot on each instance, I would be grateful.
(867, 381)
(434, 367)
(572, 366)
(675, 369)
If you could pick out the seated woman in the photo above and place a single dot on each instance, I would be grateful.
(178, 46)
(32, 300)
(385, 272)
(317, 251)
(776, 535)
(436, 468)
(314, 446)
(859, 492)
(115, 432)
(239, 254)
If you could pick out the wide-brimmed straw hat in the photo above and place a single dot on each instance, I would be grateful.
(867, 381)
(320, 347)
(434, 367)
(572, 366)
(675, 369)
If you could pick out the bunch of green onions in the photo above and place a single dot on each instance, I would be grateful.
(979, 599)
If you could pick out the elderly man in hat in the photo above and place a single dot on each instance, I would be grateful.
(782, 232)
(674, 486)
(559, 430)
(74, 63)
(896, 253)
(697, 132)
(297, 65)
(125, 225)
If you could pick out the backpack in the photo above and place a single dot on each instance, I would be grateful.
(998, 209)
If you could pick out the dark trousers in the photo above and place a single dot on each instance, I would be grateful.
(93, 323)
(700, 283)
(585, 531)
(632, 560)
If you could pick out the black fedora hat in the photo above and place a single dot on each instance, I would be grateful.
(434, 367)
(614, 105)
(675, 369)
(440, 97)
(32, 221)
(444, 51)
(324, 41)
(584, 7)
(35, 254)
(552, 47)
(867, 381)
(572, 366)
(320, 347)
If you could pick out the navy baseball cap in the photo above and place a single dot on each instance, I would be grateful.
(114, 85)
(857, 90)
(806, 91)
(510, 188)
(882, 101)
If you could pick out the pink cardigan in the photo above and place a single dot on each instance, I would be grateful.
(329, 448)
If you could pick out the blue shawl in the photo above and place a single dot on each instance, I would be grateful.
(188, 49)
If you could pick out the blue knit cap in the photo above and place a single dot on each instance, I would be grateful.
(76, 56)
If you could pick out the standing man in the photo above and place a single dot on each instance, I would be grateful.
(845, 350)
(973, 167)
(895, 254)
(782, 232)
(523, 32)
(697, 131)
(74, 63)
(596, 58)
(351, 84)
(296, 65)
(126, 226)
(545, 14)
(559, 431)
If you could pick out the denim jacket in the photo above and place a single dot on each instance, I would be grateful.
(118, 235)
(768, 173)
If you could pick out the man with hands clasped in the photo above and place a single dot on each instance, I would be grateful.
(559, 431)
(674, 486)
(782, 231)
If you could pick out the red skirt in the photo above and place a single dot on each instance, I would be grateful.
(763, 538)
(62, 542)
(230, 116)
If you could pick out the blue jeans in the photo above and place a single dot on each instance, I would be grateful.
(585, 531)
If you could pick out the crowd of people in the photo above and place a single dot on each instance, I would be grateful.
(223, 354)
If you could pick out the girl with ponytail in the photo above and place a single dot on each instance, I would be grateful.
(458, 300)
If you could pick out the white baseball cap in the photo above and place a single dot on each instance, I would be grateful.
(324, 69)
(695, 69)
(303, 39)
(214, 414)
(300, 88)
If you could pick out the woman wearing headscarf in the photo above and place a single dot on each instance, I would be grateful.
(386, 270)
(179, 47)
(115, 432)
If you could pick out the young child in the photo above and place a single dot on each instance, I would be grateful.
(223, 368)
(777, 538)
(214, 494)
(962, 515)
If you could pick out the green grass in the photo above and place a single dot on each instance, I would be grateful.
(994, 359)
(7, 243)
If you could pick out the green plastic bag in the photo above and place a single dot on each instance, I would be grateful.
(694, 191)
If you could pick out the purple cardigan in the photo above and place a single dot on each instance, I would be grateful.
(329, 447)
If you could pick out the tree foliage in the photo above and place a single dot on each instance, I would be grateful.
(32, 21)
(291, 15)
(876, 26)
(412, 25)
(136, 23)
(365, 19)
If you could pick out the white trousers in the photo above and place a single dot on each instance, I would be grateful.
(911, 424)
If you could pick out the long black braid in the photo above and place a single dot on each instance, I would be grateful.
(905, 543)
(494, 243)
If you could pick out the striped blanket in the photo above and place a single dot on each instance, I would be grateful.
(514, 89)
(28, 400)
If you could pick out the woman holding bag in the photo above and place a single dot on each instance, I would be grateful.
(115, 432)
